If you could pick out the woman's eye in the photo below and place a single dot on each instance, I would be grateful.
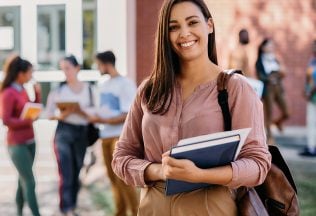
(193, 22)
(173, 28)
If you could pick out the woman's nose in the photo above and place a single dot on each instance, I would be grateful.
(184, 32)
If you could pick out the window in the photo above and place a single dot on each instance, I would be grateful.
(9, 32)
(51, 36)
(89, 32)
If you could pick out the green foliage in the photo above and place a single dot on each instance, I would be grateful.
(305, 179)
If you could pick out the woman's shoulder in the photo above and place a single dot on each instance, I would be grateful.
(238, 83)
(142, 86)
(9, 91)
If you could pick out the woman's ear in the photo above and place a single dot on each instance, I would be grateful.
(210, 25)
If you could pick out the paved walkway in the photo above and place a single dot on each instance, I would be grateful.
(47, 178)
(95, 196)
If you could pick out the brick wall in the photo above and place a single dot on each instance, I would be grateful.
(290, 23)
(147, 14)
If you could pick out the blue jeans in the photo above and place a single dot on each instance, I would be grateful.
(70, 147)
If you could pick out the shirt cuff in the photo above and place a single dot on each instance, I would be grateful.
(142, 175)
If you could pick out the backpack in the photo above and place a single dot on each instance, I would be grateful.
(277, 195)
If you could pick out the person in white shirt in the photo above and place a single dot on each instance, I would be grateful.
(71, 137)
(115, 98)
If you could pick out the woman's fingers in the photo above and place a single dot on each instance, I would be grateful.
(180, 163)
(167, 153)
(173, 172)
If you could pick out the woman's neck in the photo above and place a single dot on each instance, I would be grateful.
(75, 85)
(73, 81)
(18, 82)
(196, 71)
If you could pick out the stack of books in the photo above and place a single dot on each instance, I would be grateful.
(207, 151)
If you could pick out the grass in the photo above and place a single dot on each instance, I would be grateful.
(305, 179)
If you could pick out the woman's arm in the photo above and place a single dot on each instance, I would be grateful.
(37, 92)
(128, 157)
(254, 159)
(50, 111)
(260, 71)
(154, 172)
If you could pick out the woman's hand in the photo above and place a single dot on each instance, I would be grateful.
(63, 115)
(95, 119)
(184, 170)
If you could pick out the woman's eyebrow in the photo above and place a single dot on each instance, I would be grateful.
(187, 18)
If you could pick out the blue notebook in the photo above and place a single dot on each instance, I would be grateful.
(206, 153)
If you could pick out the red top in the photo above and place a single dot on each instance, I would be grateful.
(12, 101)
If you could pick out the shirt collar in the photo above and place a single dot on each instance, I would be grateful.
(17, 86)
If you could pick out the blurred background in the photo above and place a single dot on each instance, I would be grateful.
(43, 31)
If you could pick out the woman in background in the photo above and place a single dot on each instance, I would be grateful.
(71, 137)
(270, 72)
(20, 136)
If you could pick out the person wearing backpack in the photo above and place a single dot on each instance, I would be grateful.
(270, 72)
(179, 100)
(71, 136)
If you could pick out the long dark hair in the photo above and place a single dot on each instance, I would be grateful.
(158, 90)
(12, 69)
(72, 60)
(262, 45)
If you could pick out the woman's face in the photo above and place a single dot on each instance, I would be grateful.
(269, 47)
(188, 31)
(69, 69)
(24, 77)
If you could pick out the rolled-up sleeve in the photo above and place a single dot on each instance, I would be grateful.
(254, 161)
(128, 157)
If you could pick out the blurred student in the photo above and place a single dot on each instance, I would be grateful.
(310, 90)
(20, 136)
(238, 58)
(115, 97)
(270, 72)
(71, 137)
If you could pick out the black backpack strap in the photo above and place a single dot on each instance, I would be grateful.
(91, 96)
(222, 82)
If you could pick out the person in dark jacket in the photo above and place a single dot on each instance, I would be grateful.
(270, 73)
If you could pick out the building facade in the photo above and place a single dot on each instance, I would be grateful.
(43, 31)
(291, 23)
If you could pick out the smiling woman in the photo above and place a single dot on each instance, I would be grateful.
(179, 100)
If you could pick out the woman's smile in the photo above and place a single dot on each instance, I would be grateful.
(188, 44)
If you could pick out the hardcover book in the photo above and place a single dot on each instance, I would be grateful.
(206, 151)
(31, 110)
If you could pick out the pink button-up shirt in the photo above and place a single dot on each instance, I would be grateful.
(147, 136)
